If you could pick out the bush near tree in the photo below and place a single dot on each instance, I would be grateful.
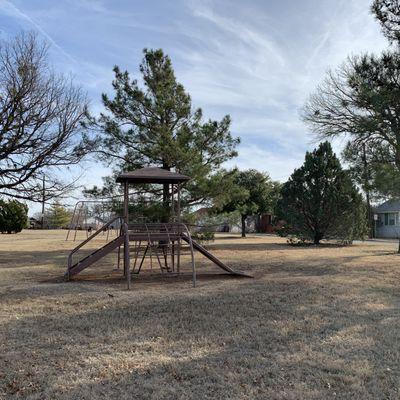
(320, 201)
(13, 216)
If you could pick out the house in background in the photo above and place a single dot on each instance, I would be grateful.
(387, 222)
(35, 223)
(254, 223)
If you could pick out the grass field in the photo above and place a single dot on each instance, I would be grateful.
(314, 323)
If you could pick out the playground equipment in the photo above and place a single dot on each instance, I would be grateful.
(163, 243)
(89, 215)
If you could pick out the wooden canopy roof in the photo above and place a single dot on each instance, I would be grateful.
(151, 175)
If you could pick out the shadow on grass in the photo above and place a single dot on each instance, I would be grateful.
(272, 246)
(254, 340)
(56, 258)
(10, 259)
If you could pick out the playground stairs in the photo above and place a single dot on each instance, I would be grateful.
(95, 256)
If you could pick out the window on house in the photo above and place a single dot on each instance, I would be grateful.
(391, 219)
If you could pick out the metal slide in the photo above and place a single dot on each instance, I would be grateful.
(215, 260)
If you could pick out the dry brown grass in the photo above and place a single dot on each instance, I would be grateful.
(314, 323)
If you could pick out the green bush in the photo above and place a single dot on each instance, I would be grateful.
(203, 237)
(13, 216)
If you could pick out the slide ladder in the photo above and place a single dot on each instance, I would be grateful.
(75, 268)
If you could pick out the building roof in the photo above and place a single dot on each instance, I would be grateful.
(388, 206)
(151, 175)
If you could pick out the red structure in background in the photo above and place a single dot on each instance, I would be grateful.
(266, 224)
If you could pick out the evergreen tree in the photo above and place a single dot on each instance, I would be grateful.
(361, 100)
(254, 193)
(387, 12)
(57, 216)
(319, 201)
(13, 216)
(362, 168)
(154, 124)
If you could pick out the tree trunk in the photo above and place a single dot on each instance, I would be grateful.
(166, 202)
(166, 198)
(369, 215)
(258, 223)
(244, 225)
(366, 179)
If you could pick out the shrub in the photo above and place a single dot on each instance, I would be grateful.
(203, 237)
(13, 216)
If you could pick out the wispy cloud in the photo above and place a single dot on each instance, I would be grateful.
(256, 60)
(241, 31)
(261, 73)
(8, 8)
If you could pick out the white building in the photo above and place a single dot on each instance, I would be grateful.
(387, 224)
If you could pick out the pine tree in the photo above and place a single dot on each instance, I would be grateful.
(360, 100)
(57, 216)
(319, 201)
(154, 124)
(387, 12)
(363, 167)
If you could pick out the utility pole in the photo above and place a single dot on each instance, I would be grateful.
(43, 198)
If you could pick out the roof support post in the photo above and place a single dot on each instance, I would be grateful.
(126, 203)
(127, 262)
(173, 215)
(178, 208)
(125, 231)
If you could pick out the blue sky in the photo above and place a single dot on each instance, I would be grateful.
(256, 60)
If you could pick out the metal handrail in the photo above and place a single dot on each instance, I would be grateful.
(73, 251)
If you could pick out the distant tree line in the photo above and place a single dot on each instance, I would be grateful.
(55, 216)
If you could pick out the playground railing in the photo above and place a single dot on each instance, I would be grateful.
(91, 237)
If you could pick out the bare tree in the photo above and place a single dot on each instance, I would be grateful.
(361, 101)
(40, 115)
